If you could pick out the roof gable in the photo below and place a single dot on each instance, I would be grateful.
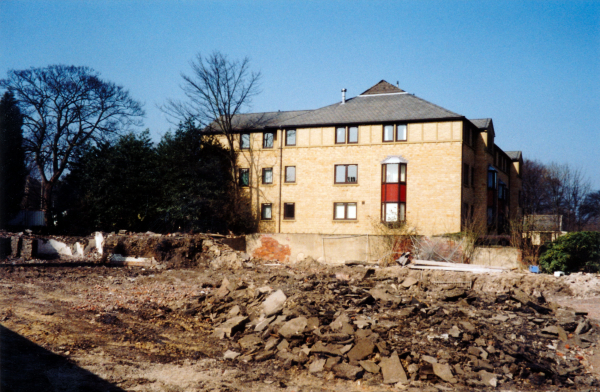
(383, 87)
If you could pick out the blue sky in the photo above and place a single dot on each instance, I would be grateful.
(532, 66)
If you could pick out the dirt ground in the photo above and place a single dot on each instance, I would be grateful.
(101, 328)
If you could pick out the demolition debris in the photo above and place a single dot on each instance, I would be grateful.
(199, 306)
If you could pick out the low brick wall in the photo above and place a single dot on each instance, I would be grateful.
(337, 249)
(498, 256)
(333, 249)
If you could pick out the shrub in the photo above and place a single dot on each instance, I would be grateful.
(573, 252)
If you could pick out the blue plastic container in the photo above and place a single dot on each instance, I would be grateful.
(534, 268)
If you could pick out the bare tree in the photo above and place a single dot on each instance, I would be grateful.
(217, 90)
(556, 189)
(535, 192)
(64, 108)
(590, 211)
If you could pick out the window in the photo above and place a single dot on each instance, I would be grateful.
(290, 174)
(290, 137)
(388, 133)
(492, 178)
(472, 176)
(466, 172)
(267, 175)
(344, 211)
(266, 211)
(468, 135)
(346, 135)
(268, 138)
(245, 141)
(393, 192)
(244, 177)
(401, 132)
(340, 135)
(289, 210)
(352, 134)
(394, 132)
(346, 174)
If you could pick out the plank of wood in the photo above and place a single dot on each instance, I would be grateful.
(458, 269)
(446, 264)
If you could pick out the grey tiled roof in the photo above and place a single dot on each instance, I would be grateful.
(373, 109)
(381, 103)
(514, 155)
(262, 120)
(383, 87)
(482, 123)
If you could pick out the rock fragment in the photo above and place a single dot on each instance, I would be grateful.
(370, 366)
(361, 350)
(317, 366)
(444, 372)
(293, 327)
(274, 303)
(392, 370)
(349, 372)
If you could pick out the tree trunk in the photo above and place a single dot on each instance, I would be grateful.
(46, 193)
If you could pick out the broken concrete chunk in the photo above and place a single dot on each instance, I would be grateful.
(392, 370)
(263, 323)
(249, 341)
(312, 323)
(488, 378)
(223, 290)
(467, 326)
(316, 366)
(347, 328)
(381, 295)
(294, 327)
(413, 368)
(320, 348)
(454, 332)
(230, 355)
(349, 372)
(362, 321)
(427, 358)
(230, 326)
(331, 362)
(453, 295)
(233, 311)
(274, 303)
(444, 372)
(555, 330)
(283, 345)
(346, 348)
(582, 327)
(409, 282)
(338, 323)
(272, 342)
(370, 366)
(362, 349)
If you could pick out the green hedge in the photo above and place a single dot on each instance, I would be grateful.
(573, 252)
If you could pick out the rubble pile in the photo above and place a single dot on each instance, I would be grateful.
(124, 248)
(390, 330)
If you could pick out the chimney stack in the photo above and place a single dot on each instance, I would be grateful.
(343, 95)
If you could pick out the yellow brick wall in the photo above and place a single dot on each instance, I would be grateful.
(434, 186)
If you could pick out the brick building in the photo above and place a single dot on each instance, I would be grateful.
(382, 156)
